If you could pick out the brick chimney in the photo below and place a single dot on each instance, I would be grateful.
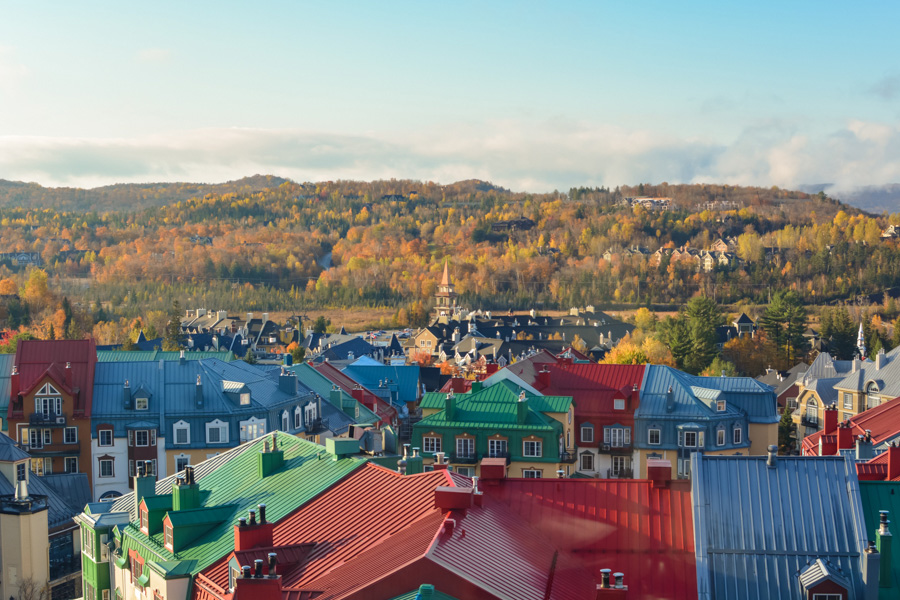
(831, 419)
(659, 471)
(544, 376)
(254, 534)
(893, 462)
(845, 436)
(254, 585)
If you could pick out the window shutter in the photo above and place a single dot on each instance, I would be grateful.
(104, 551)
(700, 440)
(152, 437)
(628, 436)
(681, 438)
(130, 437)
(606, 435)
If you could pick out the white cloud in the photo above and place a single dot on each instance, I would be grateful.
(533, 156)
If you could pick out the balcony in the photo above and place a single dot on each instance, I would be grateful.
(569, 456)
(55, 449)
(620, 474)
(42, 420)
(810, 423)
(469, 459)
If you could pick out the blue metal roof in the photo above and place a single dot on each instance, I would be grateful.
(756, 527)
(404, 378)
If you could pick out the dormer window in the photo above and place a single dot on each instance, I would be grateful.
(169, 536)
(245, 398)
(141, 403)
(285, 421)
(720, 406)
(311, 413)
(217, 432)
(145, 519)
(298, 418)
(738, 434)
(619, 404)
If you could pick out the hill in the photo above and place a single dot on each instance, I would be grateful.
(122, 196)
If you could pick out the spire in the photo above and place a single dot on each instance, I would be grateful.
(445, 279)
(861, 342)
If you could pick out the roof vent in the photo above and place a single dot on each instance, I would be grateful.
(771, 460)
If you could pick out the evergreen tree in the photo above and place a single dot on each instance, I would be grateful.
(785, 429)
(173, 338)
(67, 322)
(785, 323)
(677, 336)
(842, 344)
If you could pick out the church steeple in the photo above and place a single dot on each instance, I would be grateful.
(445, 297)
(861, 342)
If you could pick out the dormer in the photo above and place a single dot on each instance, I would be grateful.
(237, 392)
(821, 579)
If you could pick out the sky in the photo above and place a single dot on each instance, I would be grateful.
(532, 96)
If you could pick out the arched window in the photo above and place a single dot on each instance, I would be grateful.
(873, 398)
(285, 421)
(812, 411)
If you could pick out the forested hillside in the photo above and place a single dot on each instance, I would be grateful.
(296, 246)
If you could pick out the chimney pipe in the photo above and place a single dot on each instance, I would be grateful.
(273, 560)
(560, 474)
(252, 517)
(245, 571)
(604, 578)
(258, 568)
(771, 460)
(242, 522)
(620, 580)
(262, 513)
(883, 544)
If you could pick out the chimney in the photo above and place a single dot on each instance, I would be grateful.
(879, 360)
(864, 450)
(845, 436)
(69, 375)
(544, 376)
(670, 400)
(186, 492)
(831, 419)
(893, 470)
(181, 358)
(249, 317)
(198, 391)
(287, 381)
(126, 395)
(144, 485)
(265, 317)
(414, 463)
(270, 460)
(453, 498)
(611, 590)
(450, 406)
(439, 464)
(288, 359)
(772, 459)
(659, 471)
(249, 534)
(871, 570)
(883, 545)
(522, 409)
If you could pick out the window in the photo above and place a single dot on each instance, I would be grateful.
(465, 448)
(827, 597)
(35, 438)
(532, 449)
(653, 437)
(431, 444)
(137, 568)
(104, 594)
(848, 400)
(182, 432)
(587, 462)
(720, 437)
(467, 471)
(169, 536)
(312, 413)
(131, 470)
(285, 421)
(531, 473)
(20, 471)
(297, 418)
(233, 574)
(217, 432)
(181, 462)
(587, 433)
(690, 439)
(812, 411)
(49, 407)
(621, 466)
(105, 437)
(48, 437)
(48, 466)
(617, 437)
(619, 404)
(89, 592)
(245, 398)
(71, 464)
(873, 399)
(106, 467)
(738, 435)
(791, 404)
(846, 416)
(252, 429)
(142, 437)
(684, 468)
(720, 406)
(141, 403)
(497, 448)
(145, 519)
(87, 542)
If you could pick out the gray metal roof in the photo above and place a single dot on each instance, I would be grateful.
(825, 367)
(9, 451)
(887, 378)
(757, 528)
(73, 487)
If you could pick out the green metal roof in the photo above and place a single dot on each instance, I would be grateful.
(877, 496)
(418, 594)
(158, 502)
(200, 516)
(171, 569)
(495, 407)
(308, 470)
(152, 355)
(502, 391)
(321, 385)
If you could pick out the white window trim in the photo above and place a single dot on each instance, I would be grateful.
(720, 437)
(696, 439)
(66, 460)
(720, 406)
(145, 401)
(738, 435)
(536, 473)
(591, 430)
(68, 429)
(539, 448)
(650, 441)
(298, 418)
(492, 447)
(222, 426)
(618, 404)
(436, 441)
(468, 443)
(137, 436)
(589, 456)
(100, 438)
(112, 468)
(181, 426)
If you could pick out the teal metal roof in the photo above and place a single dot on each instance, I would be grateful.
(308, 470)
(877, 496)
(154, 355)
(205, 515)
(322, 386)
(425, 592)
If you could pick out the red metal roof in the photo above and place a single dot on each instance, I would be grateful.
(628, 526)
(37, 358)
(348, 384)
(883, 421)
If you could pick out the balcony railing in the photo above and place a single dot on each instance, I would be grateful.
(467, 459)
(47, 420)
(54, 449)
(807, 422)
(620, 474)
(568, 457)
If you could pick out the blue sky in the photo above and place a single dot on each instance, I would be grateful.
(532, 96)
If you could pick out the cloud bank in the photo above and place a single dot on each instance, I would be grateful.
(519, 155)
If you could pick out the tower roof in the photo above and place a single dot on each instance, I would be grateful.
(445, 279)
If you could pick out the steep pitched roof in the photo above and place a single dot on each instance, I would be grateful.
(887, 378)
(496, 406)
(772, 521)
(883, 422)
(37, 358)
